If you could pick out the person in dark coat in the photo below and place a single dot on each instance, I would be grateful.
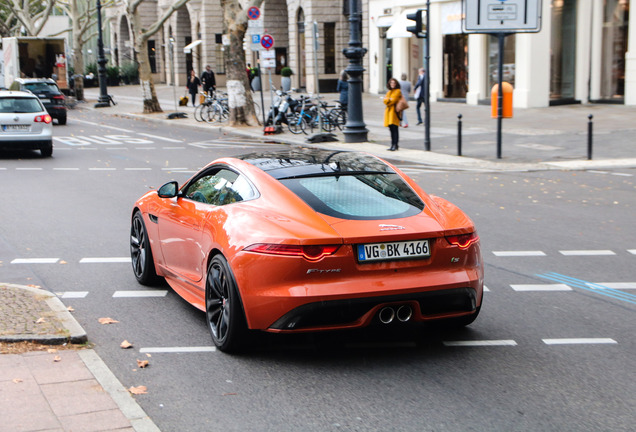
(193, 86)
(208, 80)
(343, 88)
(419, 95)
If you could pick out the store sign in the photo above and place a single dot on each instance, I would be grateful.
(501, 16)
(452, 18)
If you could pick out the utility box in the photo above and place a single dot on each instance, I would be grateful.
(507, 100)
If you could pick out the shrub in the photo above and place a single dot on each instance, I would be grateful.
(286, 72)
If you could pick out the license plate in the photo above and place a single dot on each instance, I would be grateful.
(393, 250)
(15, 127)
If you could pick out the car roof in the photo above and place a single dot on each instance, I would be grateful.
(305, 162)
(17, 93)
(35, 80)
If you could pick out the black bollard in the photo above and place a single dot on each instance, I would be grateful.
(589, 137)
(459, 135)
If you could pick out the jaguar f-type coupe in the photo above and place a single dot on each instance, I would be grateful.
(307, 240)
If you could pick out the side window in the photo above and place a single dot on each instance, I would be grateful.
(220, 188)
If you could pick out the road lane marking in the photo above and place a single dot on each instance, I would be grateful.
(160, 137)
(586, 252)
(541, 287)
(66, 169)
(579, 341)
(102, 169)
(28, 169)
(486, 289)
(592, 287)
(155, 350)
(72, 294)
(137, 169)
(518, 253)
(480, 343)
(173, 148)
(35, 261)
(632, 251)
(615, 285)
(104, 126)
(105, 260)
(140, 294)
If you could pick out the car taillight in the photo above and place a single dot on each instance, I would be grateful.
(44, 118)
(310, 252)
(59, 97)
(463, 241)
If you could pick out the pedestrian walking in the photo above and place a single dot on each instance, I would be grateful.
(193, 86)
(343, 88)
(419, 94)
(391, 117)
(405, 88)
(208, 81)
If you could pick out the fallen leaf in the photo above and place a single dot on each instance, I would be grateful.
(107, 321)
(230, 394)
(51, 350)
(138, 390)
(125, 345)
(40, 321)
(63, 262)
(142, 363)
(17, 380)
(70, 309)
(57, 359)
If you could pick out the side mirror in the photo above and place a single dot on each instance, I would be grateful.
(169, 190)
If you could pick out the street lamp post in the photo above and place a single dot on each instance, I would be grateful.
(104, 100)
(355, 130)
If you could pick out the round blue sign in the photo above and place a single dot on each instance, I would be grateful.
(253, 13)
(267, 41)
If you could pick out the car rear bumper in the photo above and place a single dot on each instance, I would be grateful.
(56, 111)
(31, 144)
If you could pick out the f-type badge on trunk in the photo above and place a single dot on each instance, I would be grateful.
(387, 227)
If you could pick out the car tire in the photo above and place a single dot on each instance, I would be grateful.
(62, 120)
(140, 252)
(223, 311)
(47, 150)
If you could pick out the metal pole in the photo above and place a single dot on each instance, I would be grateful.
(501, 37)
(104, 100)
(427, 82)
(355, 130)
(589, 137)
(459, 135)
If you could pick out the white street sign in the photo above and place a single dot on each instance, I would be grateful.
(501, 16)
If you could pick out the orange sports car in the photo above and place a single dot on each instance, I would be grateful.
(307, 240)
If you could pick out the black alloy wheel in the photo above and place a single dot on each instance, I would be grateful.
(223, 311)
(140, 252)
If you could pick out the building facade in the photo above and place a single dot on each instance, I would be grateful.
(580, 55)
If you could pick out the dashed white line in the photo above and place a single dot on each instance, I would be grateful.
(35, 261)
(486, 289)
(173, 148)
(72, 294)
(160, 137)
(518, 253)
(615, 285)
(140, 294)
(155, 350)
(632, 251)
(173, 169)
(137, 169)
(480, 343)
(102, 169)
(579, 341)
(587, 252)
(542, 287)
(66, 169)
(28, 169)
(107, 260)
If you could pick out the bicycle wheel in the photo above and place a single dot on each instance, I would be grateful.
(328, 122)
(339, 117)
(308, 124)
(197, 112)
(215, 114)
(296, 124)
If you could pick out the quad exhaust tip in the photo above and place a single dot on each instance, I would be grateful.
(388, 314)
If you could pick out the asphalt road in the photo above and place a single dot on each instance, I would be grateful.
(553, 348)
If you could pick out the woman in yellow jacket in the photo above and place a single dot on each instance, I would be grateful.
(391, 118)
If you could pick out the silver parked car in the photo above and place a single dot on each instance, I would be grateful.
(25, 123)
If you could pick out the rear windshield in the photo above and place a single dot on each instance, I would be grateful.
(357, 196)
(20, 105)
(42, 87)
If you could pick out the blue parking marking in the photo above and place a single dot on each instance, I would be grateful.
(589, 286)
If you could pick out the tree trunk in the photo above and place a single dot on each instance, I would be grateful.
(78, 67)
(151, 103)
(239, 95)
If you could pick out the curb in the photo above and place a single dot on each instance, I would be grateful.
(76, 333)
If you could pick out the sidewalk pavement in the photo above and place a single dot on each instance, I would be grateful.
(64, 386)
(73, 390)
(551, 138)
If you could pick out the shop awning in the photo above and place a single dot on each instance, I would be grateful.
(384, 21)
(188, 48)
(398, 28)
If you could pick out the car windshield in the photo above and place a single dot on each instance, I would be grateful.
(41, 87)
(369, 196)
(20, 105)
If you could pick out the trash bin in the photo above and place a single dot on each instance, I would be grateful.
(507, 100)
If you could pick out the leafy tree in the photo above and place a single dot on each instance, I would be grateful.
(28, 16)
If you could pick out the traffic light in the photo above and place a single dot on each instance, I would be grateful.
(417, 28)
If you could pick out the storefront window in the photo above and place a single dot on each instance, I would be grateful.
(455, 65)
(563, 50)
(615, 26)
(508, 60)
